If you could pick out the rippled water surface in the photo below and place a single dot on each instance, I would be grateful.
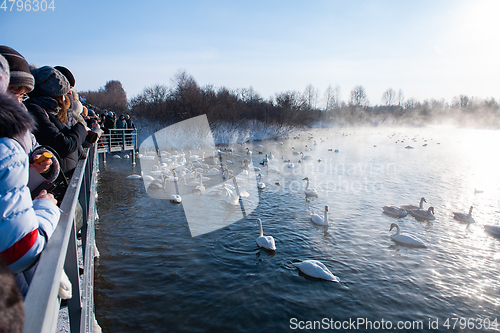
(152, 276)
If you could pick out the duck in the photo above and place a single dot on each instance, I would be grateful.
(316, 269)
(266, 242)
(423, 214)
(175, 198)
(421, 205)
(320, 220)
(249, 152)
(406, 239)
(464, 217)
(260, 184)
(394, 211)
(310, 192)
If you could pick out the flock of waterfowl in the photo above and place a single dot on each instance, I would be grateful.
(425, 215)
(181, 167)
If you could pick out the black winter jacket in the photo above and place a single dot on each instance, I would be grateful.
(52, 132)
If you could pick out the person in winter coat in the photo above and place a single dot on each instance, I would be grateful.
(110, 120)
(26, 225)
(48, 105)
(121, 122)
(130, 123)
(19, 83)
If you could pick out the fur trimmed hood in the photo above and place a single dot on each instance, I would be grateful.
(15, 120)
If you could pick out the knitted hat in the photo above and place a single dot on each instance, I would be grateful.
(20, 75)
(4, 74)
(66, 72)
(49, 82)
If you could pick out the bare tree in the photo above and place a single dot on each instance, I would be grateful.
(358, 97)
(389, 97)
(401, 98)
(311, 96)
(332, 96)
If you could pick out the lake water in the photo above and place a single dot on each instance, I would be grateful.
(153, 276)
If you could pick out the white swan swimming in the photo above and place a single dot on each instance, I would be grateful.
(310, 192)
(493, 229)
(135, 176)
(272, 170)
(464, 217)
(199, 189)
(306, 157)
(260, 184)
(421, 205)
(316, 269)
(175, 198)
(394, 211)
(233, 197)
(266, 242)
(406, 239)
(423, 214)
(320, 220)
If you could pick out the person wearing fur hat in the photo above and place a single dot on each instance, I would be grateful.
(26, 224)
(48, 104)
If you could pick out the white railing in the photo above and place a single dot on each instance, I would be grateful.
(117, 140)
(42, 301)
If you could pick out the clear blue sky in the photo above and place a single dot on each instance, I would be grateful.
(428, 48)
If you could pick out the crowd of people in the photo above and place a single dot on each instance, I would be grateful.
(44, 129)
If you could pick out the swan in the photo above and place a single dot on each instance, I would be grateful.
(270, 156)
(406, 239)
(394, 211)
(310, 192)
(266, 242)
(464, 217)
(175, 198)
(423, 214)
(320, 220)
(249, 152)
(148, 177)
(271, 170)
(421, 205)
(260, 184)
(316, 269)
(233, 198)
(199, 189)
(493, 229)
(307, 157)
(135, 176)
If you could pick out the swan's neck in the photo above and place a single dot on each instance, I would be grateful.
(325, 219)
(421, 203)
(261, 231)
(307, 186)
(470, 211)
(398, 231)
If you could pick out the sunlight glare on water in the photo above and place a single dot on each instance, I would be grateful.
(153, 275)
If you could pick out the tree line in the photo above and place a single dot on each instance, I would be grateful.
(185, 99)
